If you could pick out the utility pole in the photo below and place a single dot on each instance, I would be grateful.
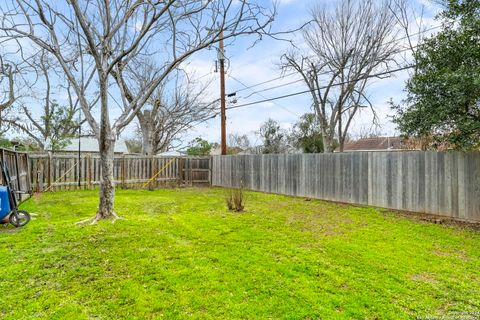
(221, 58)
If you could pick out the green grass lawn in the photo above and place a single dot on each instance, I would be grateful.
(181, 254)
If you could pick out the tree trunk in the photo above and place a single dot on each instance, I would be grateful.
(146, 127)
(107, 182)
(106, 145)
(147, 145)
(340, 135)
(341, 142)
(328, 143)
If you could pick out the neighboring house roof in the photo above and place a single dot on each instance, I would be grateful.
(89, 144)
(374, 144)
(172, 153)
(253, 150)
(216, 151)
(230, 150)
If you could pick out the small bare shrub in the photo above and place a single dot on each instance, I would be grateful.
(235, 200)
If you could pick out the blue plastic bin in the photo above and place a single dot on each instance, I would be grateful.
(4, 202)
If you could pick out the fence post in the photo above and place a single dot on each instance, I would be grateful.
(210, 163)
(181, 164)
(34, 175)
(191, 171)
(19, 182)
(17, 171)
(28, 178)
(50, 171)
(178, 168)
(90, 169)
(40, 171)
(153, 170)
(122, 166)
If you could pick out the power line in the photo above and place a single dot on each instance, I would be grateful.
(295, 72)
(261, 95)
(301, 80)
(306, 91)
(272, 88)
(206, 74)
(114, 100)
(265, 82)
(323, 87)
(302, 92)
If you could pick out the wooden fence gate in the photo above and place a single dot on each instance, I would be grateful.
(53, 172)
(18, 166)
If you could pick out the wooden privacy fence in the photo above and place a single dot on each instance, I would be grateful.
(439, 183)
(17, 164)
(53, 172)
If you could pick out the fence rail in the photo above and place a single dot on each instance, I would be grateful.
(54, 172)
(17, 165)
(439, 183)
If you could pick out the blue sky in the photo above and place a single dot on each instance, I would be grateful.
(260, 63)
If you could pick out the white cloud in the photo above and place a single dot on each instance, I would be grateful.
(430, 6)
(286, 2)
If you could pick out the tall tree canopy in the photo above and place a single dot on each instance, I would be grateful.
(443, 101)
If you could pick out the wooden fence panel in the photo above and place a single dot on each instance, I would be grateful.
(439, 183)
(18, 166)
(54, 172)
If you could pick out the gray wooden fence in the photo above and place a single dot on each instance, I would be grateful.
(63, 171)
(439, 183)
(17, 165)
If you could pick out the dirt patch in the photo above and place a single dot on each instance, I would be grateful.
(423, 277)
(159, 206)
(430, 218)
(7, 228)
(459, 254)
(417, 216)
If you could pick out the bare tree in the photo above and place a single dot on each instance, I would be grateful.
(170, 117)
(103, 37)
(8, 92)
(368, 132)
(238, 142)
(56, 122)
(412, 23)
(345, 47)
(173, 108)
